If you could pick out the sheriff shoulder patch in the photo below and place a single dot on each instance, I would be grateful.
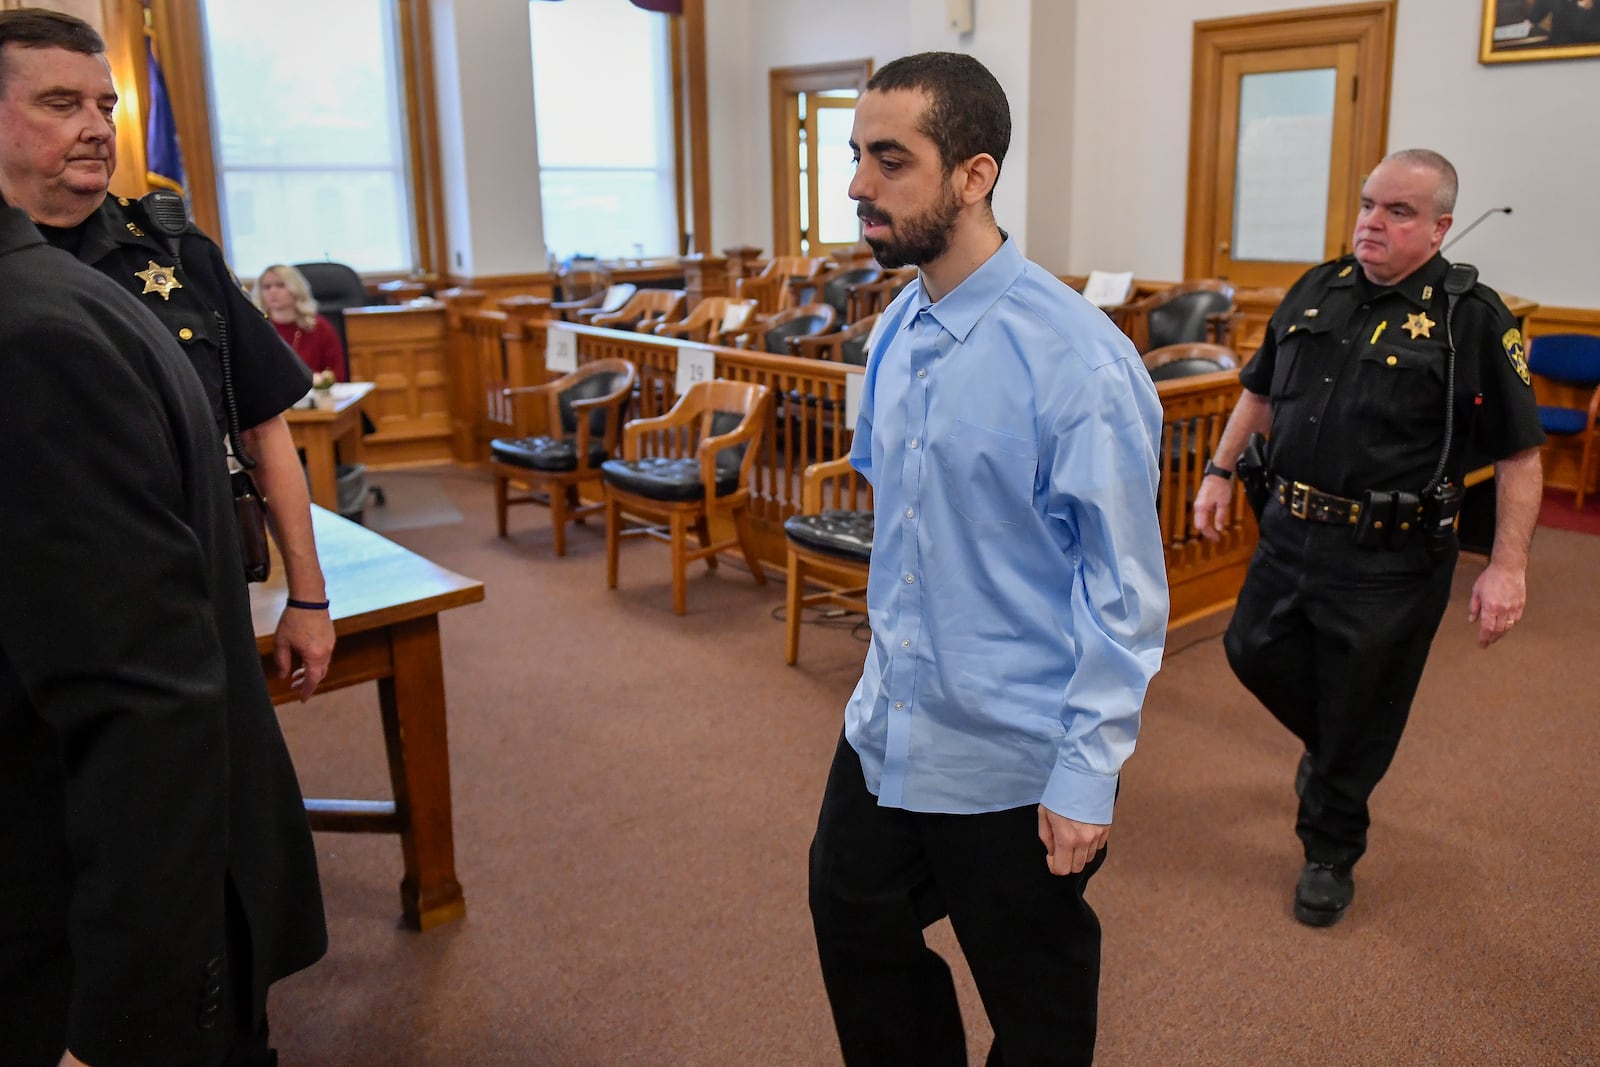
(1511, 341)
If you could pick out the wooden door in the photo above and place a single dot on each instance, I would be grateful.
(806, 106)
(1289, 113)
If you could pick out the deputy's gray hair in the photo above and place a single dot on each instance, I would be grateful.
(1444, 195)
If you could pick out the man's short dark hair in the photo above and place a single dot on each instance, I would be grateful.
(967, 112)
(35, 27)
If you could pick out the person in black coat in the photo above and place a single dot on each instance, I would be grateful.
(158, 868)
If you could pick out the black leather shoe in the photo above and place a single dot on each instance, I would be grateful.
(1323, 893)
(1302, 775)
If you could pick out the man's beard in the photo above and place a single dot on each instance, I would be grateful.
(917, 241)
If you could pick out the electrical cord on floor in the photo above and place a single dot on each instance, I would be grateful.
(830, 619)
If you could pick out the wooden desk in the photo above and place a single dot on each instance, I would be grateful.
(386, 604)
(319, 430)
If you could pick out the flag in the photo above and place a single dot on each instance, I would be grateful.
(162, 154)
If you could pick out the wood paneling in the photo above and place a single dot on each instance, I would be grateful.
(402, 351)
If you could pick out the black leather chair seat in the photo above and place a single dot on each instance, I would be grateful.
(545, 453)
(836, 532)
(661, 478)
(1185, 368)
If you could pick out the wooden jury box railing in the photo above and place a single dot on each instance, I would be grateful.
(492, 350)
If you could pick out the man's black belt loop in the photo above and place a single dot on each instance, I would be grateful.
(1313, 505)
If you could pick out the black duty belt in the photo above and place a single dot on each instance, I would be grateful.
(1313, 505)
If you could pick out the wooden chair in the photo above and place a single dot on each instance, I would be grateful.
(830, 543)
(1571, 361)
(711, 319)
(1190, 311)
(583, 416)
(832, 288)
(869, 298)
(848, 345)
(781, 333)
(600, 302)
(686, 468)
(770, 288)
(1188, 359)
(644, 311)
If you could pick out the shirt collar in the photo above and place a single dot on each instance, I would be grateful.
(17, 230)
(964, 305)
(1419, 287)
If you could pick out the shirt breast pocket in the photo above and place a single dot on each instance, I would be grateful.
(1292, 362)
(1404, 380)
(988, 474)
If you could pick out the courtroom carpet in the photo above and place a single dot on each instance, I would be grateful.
(635, 794)
(1556, 511)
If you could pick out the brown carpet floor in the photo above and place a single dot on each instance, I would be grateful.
(635, 795)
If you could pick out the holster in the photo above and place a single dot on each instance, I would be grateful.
(1251, 470)
(250, 513)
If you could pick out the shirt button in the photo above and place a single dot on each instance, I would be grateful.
(1313, 418)
(1391, 361)
(922, 372)
(899, 705)
(913, 442)
(910, 578)
(1327, 381)
(911, 513)
(905, 644)
(185, 333)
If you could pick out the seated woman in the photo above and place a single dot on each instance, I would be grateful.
(284, 297)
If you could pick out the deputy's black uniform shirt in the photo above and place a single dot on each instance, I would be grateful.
(1356, 376)
(119, 241)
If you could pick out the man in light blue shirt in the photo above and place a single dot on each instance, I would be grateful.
(1018, 603)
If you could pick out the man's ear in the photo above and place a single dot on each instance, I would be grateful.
(976, 177)
(1441, 226)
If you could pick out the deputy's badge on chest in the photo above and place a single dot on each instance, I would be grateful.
(1419, 326)
(1511, 341)
(158, 279)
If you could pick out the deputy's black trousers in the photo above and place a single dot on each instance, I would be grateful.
(1332, 638)
(880, 875)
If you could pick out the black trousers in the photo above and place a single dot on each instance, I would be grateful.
(880, 875)
(1332, 638)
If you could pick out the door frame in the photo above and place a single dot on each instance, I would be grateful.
(784, 85)
(1369, 26)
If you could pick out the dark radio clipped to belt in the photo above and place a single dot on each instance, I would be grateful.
(250, 512)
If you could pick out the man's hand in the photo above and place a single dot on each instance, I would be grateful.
(1498, 597)
(1069, 845)
(310, 635)
(1211, 505)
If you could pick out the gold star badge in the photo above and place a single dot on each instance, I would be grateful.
(1419, 325)
(158, 279)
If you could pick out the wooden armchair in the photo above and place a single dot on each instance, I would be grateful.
(1188, 359)
(848, 345)
(686, 468)
(869, 298)
(783, 331)
(830, 543)
(832, 288)
(600, 302)
(583, 416)
(770, 288)
(712, 319)
(644, 311)
(1190, 311)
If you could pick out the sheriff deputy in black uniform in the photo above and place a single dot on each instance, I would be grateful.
(57, 154)
(1362, 473)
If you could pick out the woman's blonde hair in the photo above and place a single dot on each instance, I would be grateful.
(305, 308)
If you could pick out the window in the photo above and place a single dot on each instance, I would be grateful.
(602, 103)
(309, 134)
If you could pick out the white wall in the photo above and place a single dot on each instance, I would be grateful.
(1519, 134)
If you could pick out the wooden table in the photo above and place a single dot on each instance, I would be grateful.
(319, 430)
(386, 603)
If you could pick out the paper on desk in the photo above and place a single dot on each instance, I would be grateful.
(1106, 288)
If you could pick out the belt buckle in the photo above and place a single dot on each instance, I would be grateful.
(1299, 499)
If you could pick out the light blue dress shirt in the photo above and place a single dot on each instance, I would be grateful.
(1018, 590)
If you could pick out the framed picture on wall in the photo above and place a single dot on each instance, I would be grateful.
(1519, 30)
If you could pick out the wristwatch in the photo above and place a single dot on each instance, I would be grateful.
(1221, 472)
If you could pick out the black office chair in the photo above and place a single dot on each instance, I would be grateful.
(335, 287)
